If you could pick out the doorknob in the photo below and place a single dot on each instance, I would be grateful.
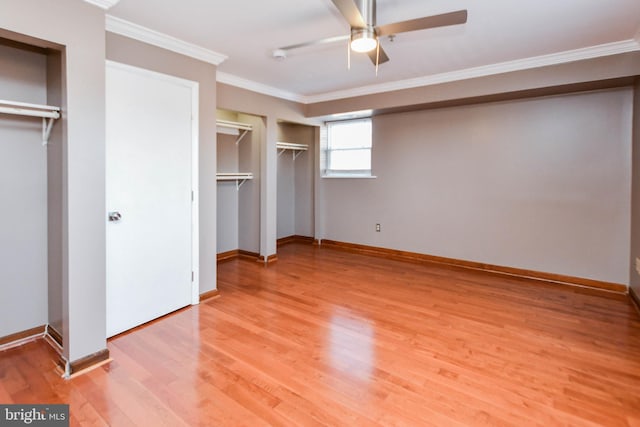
(115, 216)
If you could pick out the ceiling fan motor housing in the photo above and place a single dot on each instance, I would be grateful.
(368, 11)
(364, 39)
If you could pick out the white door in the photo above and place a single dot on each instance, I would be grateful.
(151, 159)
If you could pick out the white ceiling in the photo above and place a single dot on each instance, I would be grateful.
(499, 35)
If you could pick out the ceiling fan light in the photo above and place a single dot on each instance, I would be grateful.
(363, 40)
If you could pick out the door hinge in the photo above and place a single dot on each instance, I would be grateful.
(192, 276)
(192, 196)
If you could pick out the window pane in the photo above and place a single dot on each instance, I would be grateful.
(349, 160)
(348, 148)
(356, 134)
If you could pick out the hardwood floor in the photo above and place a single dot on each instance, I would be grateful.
(325, 337)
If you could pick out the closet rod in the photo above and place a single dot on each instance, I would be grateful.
(48, 114)
(32, 110)
(233, 125)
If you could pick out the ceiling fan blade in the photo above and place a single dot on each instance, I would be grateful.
(351, 13)
(373, 56)
(451, 18)
(315, 42)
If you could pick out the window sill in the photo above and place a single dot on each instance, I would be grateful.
(349, 176)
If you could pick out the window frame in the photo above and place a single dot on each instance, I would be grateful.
(327, 172)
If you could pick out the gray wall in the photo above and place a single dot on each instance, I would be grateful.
(635, 210)
(127, 51)
(55, 192)
(227, 206)
(286, 194)
(79, 27)
(227, 201)
(23, 191)
(249, 152)
(540, 184)
(295, 182)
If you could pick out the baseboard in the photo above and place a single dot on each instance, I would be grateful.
(295, 239)
(84, 364)
(18, 338)
(54, 334)
(226, 256)
(239, 253)
(236, 253)
(489, 268)
(209, 295)
(634, 298)
(268, 260)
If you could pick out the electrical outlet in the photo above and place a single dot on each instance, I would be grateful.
(378, 228)
(638, 265)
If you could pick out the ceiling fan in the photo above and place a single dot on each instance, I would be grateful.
(365, 33)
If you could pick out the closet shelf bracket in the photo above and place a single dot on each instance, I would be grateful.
(240, 177)
(296, 149)
(242, 135)
(48, 113)
(233, 128)
(47, 124)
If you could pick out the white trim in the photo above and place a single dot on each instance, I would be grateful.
(155, 38)
(625, 46)
(103, 4)
(348, 176)
(195, 187)
(253, 86)
(147, 72)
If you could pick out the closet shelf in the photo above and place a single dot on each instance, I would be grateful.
(297, 149)
(233, 128)
(48, 114)
(239, 177)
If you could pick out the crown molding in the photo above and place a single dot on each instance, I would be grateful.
(625, 46)
(253, 86)
(146, 35)
(614, 48)
(103, 4)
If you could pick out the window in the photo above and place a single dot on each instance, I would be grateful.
(348, 149)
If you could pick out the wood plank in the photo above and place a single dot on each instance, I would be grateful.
(331, 337)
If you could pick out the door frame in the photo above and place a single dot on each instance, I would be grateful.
(195, 158)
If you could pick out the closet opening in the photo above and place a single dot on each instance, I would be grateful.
(32, 158)
(296, 165)
(239, 140)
